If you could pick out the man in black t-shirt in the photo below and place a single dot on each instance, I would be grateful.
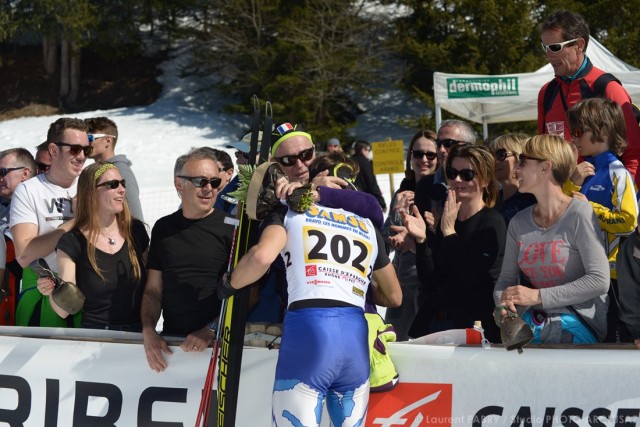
(188, 256)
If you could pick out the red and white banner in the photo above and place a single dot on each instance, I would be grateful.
(68, 379)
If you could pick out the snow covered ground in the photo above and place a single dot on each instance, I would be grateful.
(152, 137)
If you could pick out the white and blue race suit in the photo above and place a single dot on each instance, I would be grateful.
(329, 256)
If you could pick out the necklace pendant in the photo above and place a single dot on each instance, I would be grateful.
(112, 241)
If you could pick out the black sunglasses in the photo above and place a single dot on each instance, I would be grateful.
(448, 142)
(502, 154)
(75, 149)
(42, 167)
(417, 154)
(290, 160)
(522, 158)
(465, 174)
(202, 182)
(112, 184)
(5, 171)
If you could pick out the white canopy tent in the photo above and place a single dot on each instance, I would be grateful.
(514, 97)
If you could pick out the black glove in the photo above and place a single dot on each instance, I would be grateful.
(224, 288)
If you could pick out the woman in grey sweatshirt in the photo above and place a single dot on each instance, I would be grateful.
(556, 248)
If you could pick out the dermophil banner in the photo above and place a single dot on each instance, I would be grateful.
(482, 87)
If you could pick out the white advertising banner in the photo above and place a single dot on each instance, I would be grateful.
(66, 382)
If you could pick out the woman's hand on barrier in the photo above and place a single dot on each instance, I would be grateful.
(46, 285)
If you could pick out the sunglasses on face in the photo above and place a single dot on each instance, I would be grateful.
(94, 136)
(556, 47)
(522, 158)
(465, 174)
(502, 154)
(202, 182)
(112, 184)
(448, 142)
(290, 159)
(42, 167)
(417, 154)
(577, 133)
(75, 149)
(5, 171)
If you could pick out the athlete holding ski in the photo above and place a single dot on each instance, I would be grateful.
(330, 257)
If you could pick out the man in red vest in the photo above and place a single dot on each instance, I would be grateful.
(565, 37)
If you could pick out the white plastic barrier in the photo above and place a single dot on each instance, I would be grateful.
(63, 382)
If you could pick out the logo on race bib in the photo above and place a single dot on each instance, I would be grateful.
(311, 270)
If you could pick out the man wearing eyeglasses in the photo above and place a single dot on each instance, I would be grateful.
(564, 39)
(42, 211)
(16, 166)
(103, 135)
(188, 255)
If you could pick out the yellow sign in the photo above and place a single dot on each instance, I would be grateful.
(388, 157)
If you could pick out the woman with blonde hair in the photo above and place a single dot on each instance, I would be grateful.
(556, 247)
(104, 254)
(467, 249)
(505, 149)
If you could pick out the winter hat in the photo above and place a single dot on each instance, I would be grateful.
(333, 141)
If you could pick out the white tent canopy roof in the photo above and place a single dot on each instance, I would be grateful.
(514, 97)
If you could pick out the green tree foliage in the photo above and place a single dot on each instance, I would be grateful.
(309, 58)
(498, 37)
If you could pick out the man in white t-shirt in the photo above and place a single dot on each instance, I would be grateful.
(42, 211)
(41, 207)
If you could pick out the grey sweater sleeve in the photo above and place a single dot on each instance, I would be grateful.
(581, 229)
(510, 272)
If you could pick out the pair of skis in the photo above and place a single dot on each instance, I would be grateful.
(227, 352)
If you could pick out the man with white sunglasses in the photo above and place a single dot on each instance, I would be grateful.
(564, 39)
(103, 136)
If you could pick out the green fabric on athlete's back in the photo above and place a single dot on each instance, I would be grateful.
(31, 300)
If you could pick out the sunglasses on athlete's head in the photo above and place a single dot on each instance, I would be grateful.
(202, 182)
(112, 184)
(5, 171)
(556, 47)
(522, 158)
(465, 174)
(290, 159)
(417, 154)
(42, 167)
(448, 142)
(75, 149)
(502, 154)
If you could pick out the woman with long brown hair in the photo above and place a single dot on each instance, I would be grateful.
(104, 254)
(421, 162)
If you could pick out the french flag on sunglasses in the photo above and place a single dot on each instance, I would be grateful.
(284, 128)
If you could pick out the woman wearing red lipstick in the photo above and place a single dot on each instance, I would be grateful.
(104, 253)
